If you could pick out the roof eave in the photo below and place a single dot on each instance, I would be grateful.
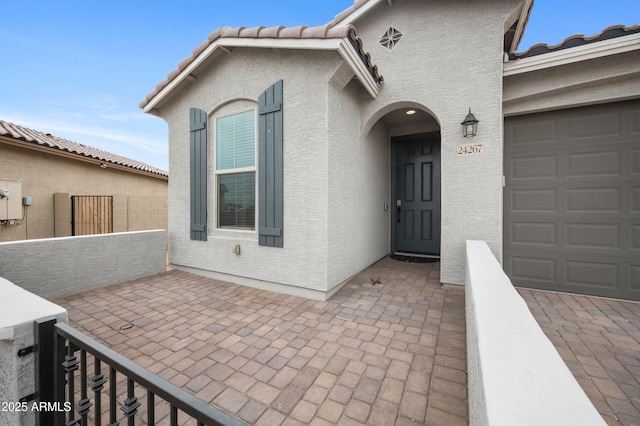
(341, 45)
(584, 52)
(523, 20)
(352, 58)
(77, 157)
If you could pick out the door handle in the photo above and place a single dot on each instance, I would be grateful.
(399, 205)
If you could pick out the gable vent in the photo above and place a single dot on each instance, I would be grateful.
(390, 38)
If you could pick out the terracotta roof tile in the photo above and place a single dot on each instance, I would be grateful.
(327, 31)
(577, 40)
(17, 132)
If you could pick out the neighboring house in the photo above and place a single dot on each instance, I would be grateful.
(298, 159)
(73, 189)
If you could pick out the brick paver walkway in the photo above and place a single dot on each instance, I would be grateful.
(388, 348)
(599, 340)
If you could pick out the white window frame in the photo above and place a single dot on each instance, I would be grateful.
(217, 172)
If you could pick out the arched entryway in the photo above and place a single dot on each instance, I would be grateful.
(415, 178)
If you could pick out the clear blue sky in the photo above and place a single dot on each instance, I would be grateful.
(78, 69)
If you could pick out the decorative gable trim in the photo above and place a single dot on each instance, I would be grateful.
(344, 40)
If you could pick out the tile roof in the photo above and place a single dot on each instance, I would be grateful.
(20, 133)
(327, 31)
(577, 40)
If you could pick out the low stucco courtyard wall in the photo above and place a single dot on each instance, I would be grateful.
(57, 267)
(515, 375)
(18, 311)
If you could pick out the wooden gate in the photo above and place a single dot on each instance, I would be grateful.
(91, 214)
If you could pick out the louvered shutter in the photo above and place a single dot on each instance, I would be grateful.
(198, 160)
(270, 214)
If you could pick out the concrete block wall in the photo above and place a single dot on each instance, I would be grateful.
(515, 374)
(146, 212)
(120, 212)
(59, 267)
(131, 212)
(61, 215)
(49, 176)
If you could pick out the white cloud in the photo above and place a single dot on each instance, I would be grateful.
(133, 116)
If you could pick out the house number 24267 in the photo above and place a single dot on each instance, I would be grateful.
(470, 149)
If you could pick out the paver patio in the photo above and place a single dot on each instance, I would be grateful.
(599, 340)
(388, 348)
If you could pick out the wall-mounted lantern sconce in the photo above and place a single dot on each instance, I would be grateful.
(469, 125)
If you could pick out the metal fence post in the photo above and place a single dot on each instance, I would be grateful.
(44, 360)
(60, 377)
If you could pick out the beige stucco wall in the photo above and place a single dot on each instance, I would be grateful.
(449, 60)
(43, 176)
(605, 79)
(337, 154)
(358, 182)
(232, 83)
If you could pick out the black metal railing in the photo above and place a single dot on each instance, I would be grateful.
(62, 399)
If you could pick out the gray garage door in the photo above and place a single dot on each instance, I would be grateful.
(572, 200)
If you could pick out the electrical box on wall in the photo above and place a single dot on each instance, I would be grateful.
(10, 200)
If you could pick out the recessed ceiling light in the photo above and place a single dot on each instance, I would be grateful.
(411, 112)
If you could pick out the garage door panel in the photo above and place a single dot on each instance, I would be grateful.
(593, 200)
(572, 200)
(543, 270)
(592, 235)
(634, 237)
(535, 132)
(635, 199)
(634, 278)
(635, 161)
(591, 274)
(635, 121)
(534, 233)
(592, 125)
(537, 167)
(594, 164)
(539, 200)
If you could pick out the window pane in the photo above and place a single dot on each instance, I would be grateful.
(225, 141)
(236, 200)
(235, 141)
(245, 139)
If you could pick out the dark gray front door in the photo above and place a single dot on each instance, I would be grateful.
(416, 194)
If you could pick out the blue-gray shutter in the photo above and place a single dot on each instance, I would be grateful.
(198, 156)
(270, 214)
